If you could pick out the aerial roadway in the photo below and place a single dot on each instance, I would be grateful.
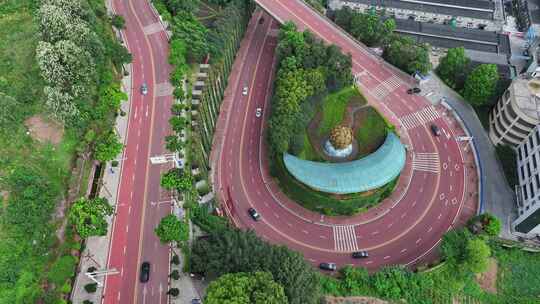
(408, 226)
(139, 206)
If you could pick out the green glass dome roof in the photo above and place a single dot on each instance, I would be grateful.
(367, 173)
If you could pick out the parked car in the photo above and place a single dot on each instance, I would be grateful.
(145, 272)
(360, 254)
(196, 301)
(245, 91)
(435, 130)
(254, 214)
(328, 266)
(144, 89)
(414, 90)
(258, 112)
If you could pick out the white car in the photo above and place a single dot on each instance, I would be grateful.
(244, 91)
(258, 112)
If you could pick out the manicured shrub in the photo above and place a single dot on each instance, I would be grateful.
(90, 287)
(175, 275)
(173, 292)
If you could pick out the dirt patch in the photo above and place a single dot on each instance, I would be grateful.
(44, 130)
(488, 279)
(353, 300)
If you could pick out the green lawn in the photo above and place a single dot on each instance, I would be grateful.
(308, 153)
(333, 108)
(371, 135)
(519, 275)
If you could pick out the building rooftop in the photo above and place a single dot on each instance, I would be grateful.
(480, 9)
(370, 172)
(525, 100)
(448, 37)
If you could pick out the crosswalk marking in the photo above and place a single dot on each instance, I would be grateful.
(152, 28)
(345, 238)
(386, 87)
(419, 118)
(428, 162)
(164, 89)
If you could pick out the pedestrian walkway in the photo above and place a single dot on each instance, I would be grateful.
(427, 162)
(419, 118)
(386, 87)
(345, 239)
(96, 251)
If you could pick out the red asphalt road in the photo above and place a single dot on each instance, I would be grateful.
(133, 240)
(410, 230)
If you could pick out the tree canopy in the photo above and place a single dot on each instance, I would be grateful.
(170, 229)
(307, 68)
(108, 146)
(231, 251)
(407, 55)
(89, 216)
(453, 68)
(481, 84)
(245, 288)
(178, 179)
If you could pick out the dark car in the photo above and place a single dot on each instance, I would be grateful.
(254, 214)
(144, 89)
(145, 272)
(328, 266)
(261, 20)
(414, 91)
(360, 254)
(435, 130)
(196, 301)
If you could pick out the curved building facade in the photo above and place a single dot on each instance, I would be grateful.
(515, 114)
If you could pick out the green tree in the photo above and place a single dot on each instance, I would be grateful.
(371, 29)
(481, 84)
(477, 254)
(170, 229)
(177, 179)
(232, 250)
(453, 67)
(188, 29)
(118, 21)
(89, 216)
(453, 247)
(173, 143)
(343, 17)
(407, 55)
(248, 288)
(108, 146)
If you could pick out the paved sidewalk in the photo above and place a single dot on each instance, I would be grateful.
(498, 197)
(95, 253)
(189, 287)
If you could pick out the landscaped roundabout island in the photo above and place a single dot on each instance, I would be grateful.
(344, 160)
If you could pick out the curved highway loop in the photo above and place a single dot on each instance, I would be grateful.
(409, 230)
(133, 239)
